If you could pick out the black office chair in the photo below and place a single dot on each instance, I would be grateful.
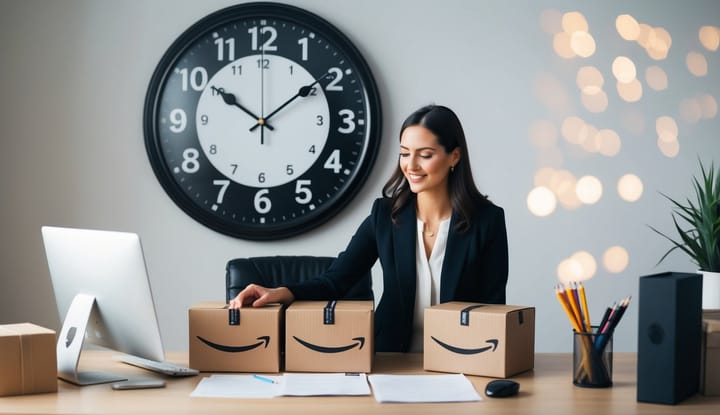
(277, 271)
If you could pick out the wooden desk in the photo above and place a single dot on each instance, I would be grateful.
(546, 390)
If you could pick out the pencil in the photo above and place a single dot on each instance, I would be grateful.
(564, 302)
(586, 311)
(575, 306)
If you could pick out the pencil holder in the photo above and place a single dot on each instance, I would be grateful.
(592, 359)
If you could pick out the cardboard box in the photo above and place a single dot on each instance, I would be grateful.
(329, 336)
(28, 359)
(479, 339)
(710, 369)
(243, 340)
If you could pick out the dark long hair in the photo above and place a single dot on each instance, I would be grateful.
(464, 195)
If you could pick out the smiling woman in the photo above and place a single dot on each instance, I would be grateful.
(437, 237)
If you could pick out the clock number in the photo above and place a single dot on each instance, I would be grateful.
(348, 123)
(223, 187)
(196, 79)
(262, 202)
(320, 120)
(333, 85)
(221, 43)
(311, 149)
(178, 120)
(204, 119)
(213, 149)
(303, 42)
(234, 168)
(304, 193)
(333, 162)
(289, 170)
(263, 63)
(268, 45)
(261, 177)
(190, 162)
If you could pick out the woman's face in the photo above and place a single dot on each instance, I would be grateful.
(423, 160)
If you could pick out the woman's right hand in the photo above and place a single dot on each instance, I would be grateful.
(258, 296)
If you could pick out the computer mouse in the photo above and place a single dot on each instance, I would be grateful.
(502, 388)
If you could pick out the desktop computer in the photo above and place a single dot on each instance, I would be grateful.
(102, 290)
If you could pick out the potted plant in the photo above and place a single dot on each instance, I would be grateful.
(701, 240)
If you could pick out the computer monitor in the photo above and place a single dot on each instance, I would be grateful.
(102, 291)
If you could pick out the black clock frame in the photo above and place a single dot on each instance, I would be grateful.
(177, 49)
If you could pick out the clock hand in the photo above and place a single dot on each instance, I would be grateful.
(230, 99)
(304, 91)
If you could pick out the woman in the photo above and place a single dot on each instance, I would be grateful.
(437, 237)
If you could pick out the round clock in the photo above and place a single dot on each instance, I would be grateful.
(262, 120)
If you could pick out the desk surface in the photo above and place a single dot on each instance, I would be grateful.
(546, 390)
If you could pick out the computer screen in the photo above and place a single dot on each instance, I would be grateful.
(103, 295)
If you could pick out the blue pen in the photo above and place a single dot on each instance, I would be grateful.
(263, 379)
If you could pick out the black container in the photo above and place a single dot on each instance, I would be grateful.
(669, 330)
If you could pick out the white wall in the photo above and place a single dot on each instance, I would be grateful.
(73, 77)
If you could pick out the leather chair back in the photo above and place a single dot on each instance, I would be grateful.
(277, 271)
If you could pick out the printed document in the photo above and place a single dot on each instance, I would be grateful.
(423, 388)
(323, 384)
(237, 386)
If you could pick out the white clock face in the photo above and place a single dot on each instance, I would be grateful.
(293, 137)
(262, 121)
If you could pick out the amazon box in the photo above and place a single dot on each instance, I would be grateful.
(28, 360)
(710, 369)
(329, 336)
(479, 339)
(241, 340)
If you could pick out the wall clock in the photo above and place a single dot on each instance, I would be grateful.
(262, 120)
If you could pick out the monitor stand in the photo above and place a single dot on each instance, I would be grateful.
(70, 342)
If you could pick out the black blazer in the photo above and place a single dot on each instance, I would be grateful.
(475, 267)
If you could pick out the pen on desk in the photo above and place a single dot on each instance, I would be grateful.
(263, 379)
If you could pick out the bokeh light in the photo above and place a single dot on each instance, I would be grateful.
(616, 259)
(697, 64)
(709, 37)
(609, 142)
(574, 22)
(580, 266)
(590, 80)
(708, 106)
(669, 149)
(631, 91)
(624, 69)
(690, 110)
(582, 43)
(541, 201)
(666, 128)
(627, 27)
(589, 189)
(630, 187)
(569, 270)
(656, 78)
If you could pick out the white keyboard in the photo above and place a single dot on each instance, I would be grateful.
(166, 368)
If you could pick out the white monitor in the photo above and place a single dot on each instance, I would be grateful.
(103, 293)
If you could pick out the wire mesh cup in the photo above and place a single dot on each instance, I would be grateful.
(592, 359)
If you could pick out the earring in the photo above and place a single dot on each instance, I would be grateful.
(452, 169)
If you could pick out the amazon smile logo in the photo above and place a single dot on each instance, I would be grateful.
(237, 349)
(360, 341)
(459, 350)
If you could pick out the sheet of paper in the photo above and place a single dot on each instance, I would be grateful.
(237, 386)
(423, 388)
(318, 384)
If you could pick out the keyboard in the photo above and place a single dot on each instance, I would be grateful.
(166, 368)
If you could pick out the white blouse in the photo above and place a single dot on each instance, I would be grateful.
(427, 288)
